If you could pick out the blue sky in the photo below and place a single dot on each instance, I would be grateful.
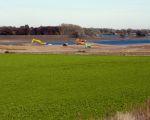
(87, 13)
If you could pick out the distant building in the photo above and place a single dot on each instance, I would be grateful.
(148, 35)
(110, 36)
(133, 34)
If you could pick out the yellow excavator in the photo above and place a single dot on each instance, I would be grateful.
(38, 41)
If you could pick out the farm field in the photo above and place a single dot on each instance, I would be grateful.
(70, 87)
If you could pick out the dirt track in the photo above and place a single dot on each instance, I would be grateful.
(78, 49)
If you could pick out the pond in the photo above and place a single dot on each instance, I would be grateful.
(106, 42)
(122, 42)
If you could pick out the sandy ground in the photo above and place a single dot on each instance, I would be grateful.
(98, 49)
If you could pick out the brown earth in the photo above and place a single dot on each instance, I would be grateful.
(140, 50)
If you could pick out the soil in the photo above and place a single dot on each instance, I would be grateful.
(98, 49)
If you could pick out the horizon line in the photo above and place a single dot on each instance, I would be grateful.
(37, 26)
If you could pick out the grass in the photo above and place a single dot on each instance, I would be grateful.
(70, 87)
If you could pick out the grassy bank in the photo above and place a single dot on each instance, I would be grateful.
(54, 87)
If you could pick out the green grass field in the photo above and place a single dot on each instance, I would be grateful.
(70, 87)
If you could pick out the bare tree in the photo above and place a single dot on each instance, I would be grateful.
(72, 30)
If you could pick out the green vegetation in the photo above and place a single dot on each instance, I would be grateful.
(68, 87)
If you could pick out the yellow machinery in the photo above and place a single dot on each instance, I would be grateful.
(38, 41)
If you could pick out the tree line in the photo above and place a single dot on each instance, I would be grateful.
(69, 29)
(26, 30)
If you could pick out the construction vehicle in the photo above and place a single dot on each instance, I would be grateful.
(38, 42)
(80, 41)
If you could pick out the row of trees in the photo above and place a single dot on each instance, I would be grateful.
(26, 30)
(69, 29)
(63, 29)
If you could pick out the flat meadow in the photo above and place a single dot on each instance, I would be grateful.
(70, 87)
